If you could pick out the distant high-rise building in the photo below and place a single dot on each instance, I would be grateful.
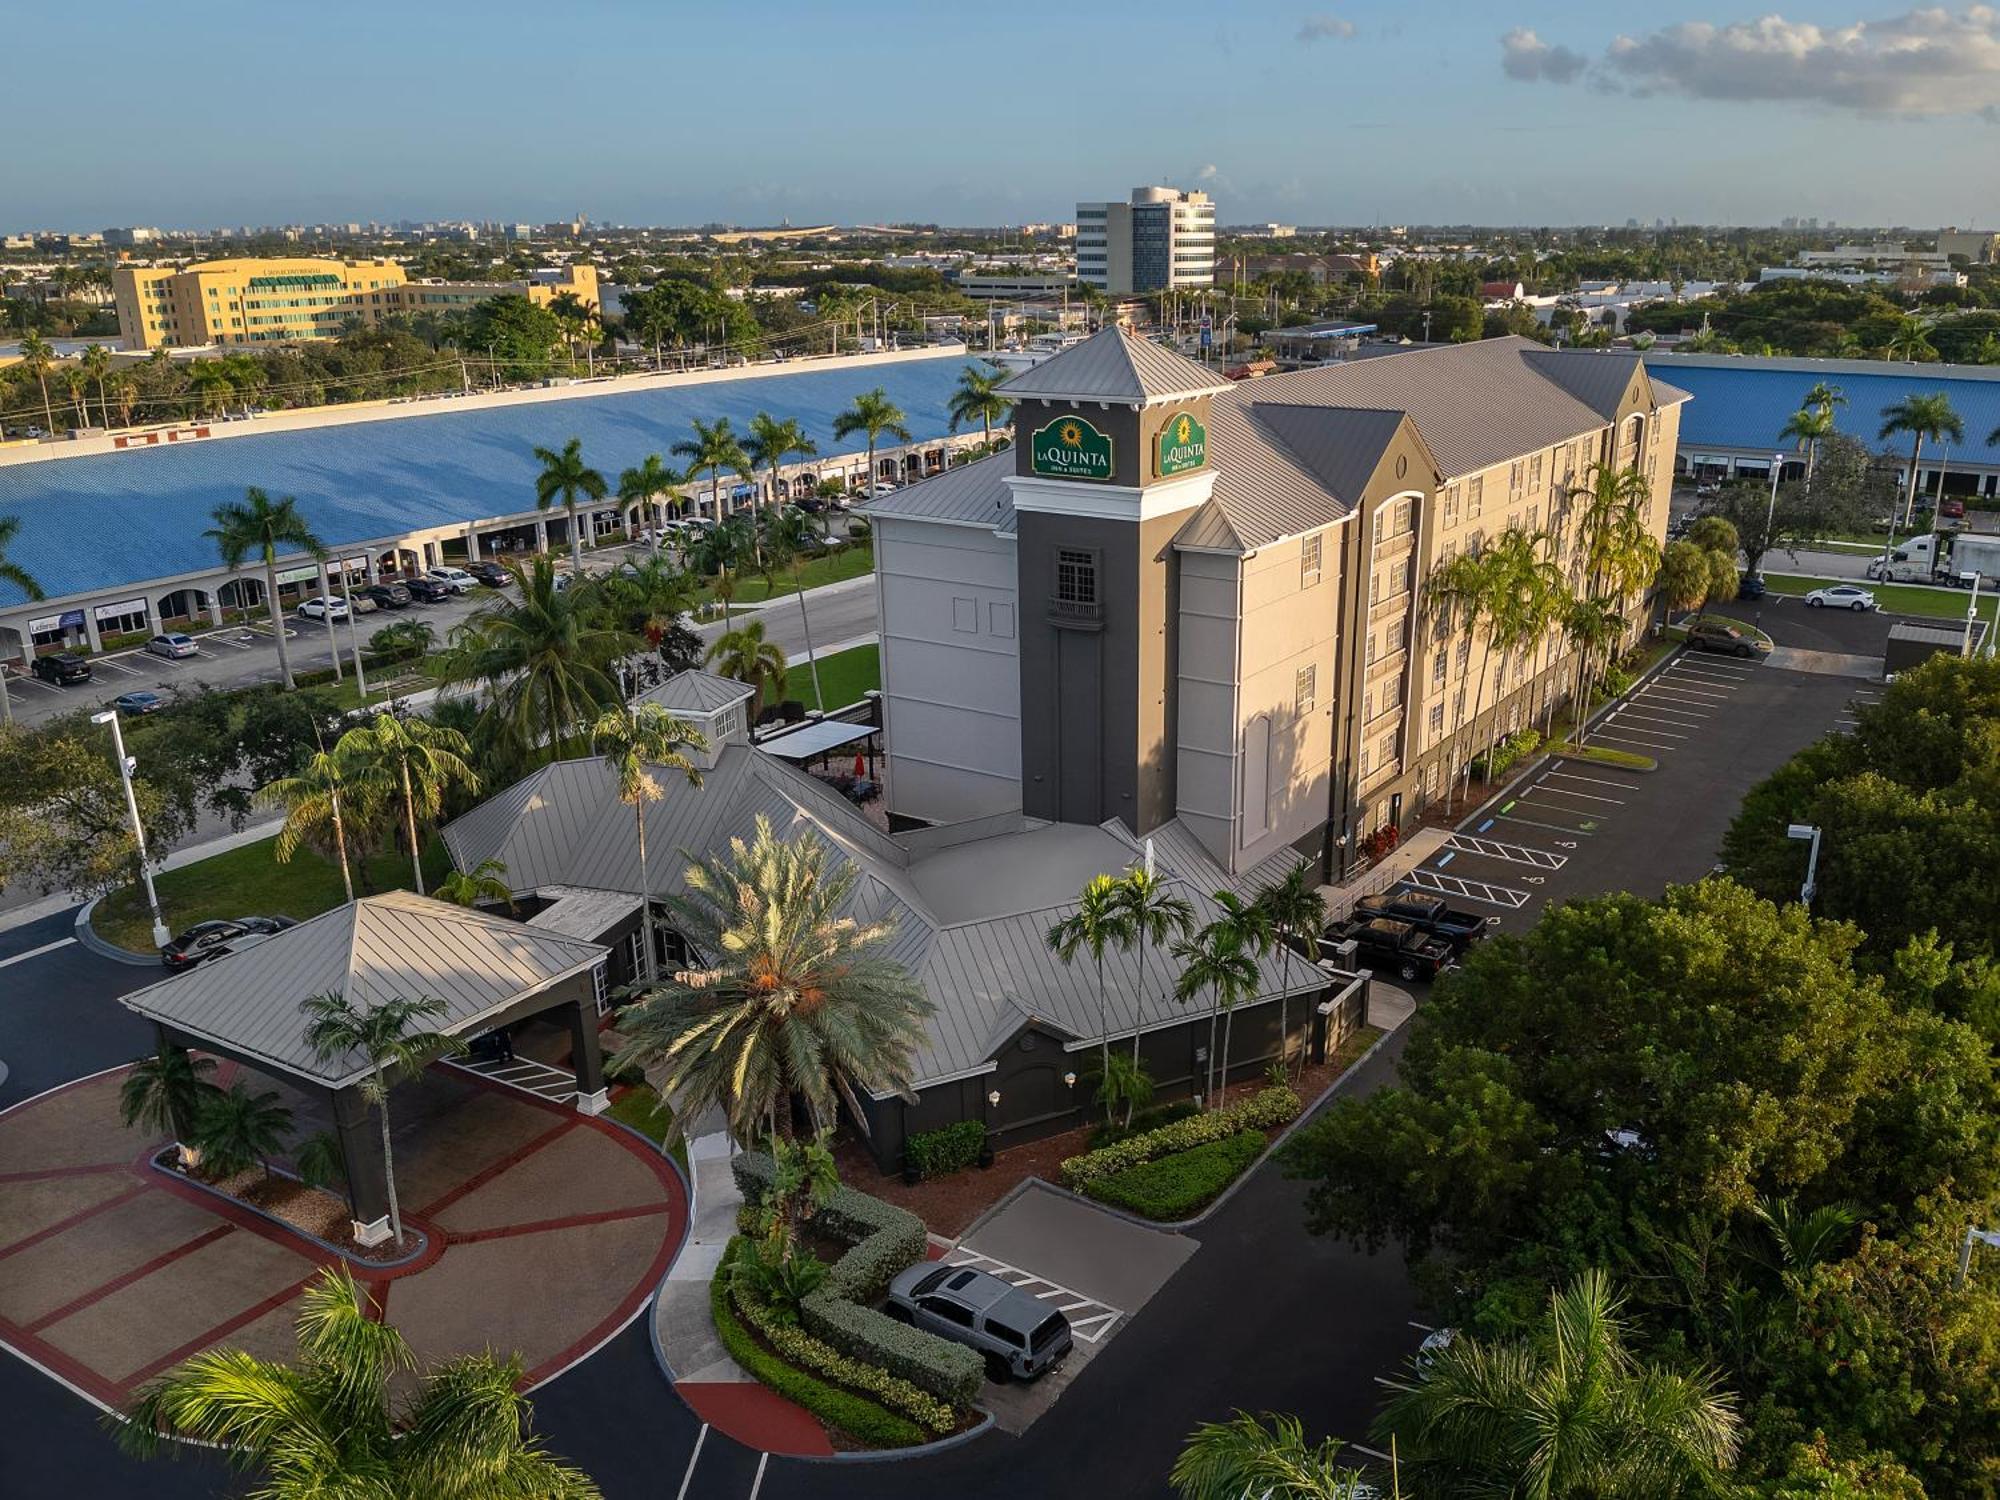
(125, 239)
(1162, 239)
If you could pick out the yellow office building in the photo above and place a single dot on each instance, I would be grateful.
(268, 301)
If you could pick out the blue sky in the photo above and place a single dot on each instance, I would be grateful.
(1495, 111)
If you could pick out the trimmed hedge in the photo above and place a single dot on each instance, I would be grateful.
(1145, 1120)
(884, 1240)
(1261, 1111)
(1506, 754)
(1174, 1187)
(938, 1153)
(854, 1415)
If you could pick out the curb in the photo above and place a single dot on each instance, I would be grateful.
(87, 936)
(181, 1179)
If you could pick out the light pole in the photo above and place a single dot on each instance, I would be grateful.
(1771, 510)
(126, 766)
(1807, 831)
(1971, 613)
(1983, 1236)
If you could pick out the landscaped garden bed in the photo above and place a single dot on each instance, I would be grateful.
(1605, 755)
(317, 1214)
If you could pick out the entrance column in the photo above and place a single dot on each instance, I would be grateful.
(374, 574)
(586, 1059)
(90, 628)
(541, 535)
(360, 1137)
(472, 553)
(215, 607)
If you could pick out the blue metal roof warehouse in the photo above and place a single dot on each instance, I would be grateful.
(114, 520)
(1741, 404)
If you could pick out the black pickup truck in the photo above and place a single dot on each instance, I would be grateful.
(1427, 914)
(1389, 947)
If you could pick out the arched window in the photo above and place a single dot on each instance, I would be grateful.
(1257, 777)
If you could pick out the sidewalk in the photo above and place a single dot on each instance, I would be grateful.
(1393, 867)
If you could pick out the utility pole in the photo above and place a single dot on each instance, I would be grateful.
(126, 766)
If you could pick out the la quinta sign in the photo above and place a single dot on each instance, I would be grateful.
(1070, 448)
(1183, 446)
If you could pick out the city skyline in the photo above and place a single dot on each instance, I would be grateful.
(1358, 113)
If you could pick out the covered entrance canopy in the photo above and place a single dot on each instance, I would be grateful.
(486, 971)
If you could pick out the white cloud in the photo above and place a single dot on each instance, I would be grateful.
(1208, 173)
(1325, 28)
(1526, 58)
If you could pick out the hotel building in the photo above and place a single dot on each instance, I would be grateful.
(1162, 240)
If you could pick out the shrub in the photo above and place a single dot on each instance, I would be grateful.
(1260, 1111)
(937, 1153)
(947, 1370)
(855, 1415)
(1504, 755)
(1173, 1187)
(779, 1282)
(1143, 1121)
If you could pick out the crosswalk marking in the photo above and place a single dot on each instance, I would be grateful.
(1471, 890)
(1513, 854)
(1090, 1327)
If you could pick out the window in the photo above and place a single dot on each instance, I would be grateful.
(1451, 507)
(1309, 562)
(1437, 719)
(947, 1311)
(1364, 762)
(1371, 648)
(1305, 690)
(1535, 472)
(1387, 748)
(1475, 497)
(1464, 654)
(1405, 510)
(1534, 518)
(1439, 666)
(1374, 588)
(1381, 516)
(1515, 473)
(1076, 579)
(600, 987)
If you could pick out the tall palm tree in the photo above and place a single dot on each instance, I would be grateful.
(317, 798)
(712, 450)
(212, 385)
(164, 1093)
(1910, 339)
(1215, 961)
(769, 444)
(644, 484)
(95, 363)
(1824, 397)
(543, 656)
(260, 525)
(1102, 919)
(790, 536)
(790, 997)
(1156, 915)
(873, 413)
(239, 1129)
(1568, 1413)
(720, 551)
(328, 1425)
(977, 397)
(485, 881)
(413, 759)
(1592, 626)
(634, 741)
(1809, 424)
(565, 476)
(745, 655)
(387, 1039)
(1922, 417)
(1465, 594)
(12, 572)
(77, 383)
(37, 357)
(1296, 912)
(1268, 1458)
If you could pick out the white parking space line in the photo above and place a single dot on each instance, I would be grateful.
(119, 666)
(693, 1459)
(758, 1483)
(1633, 713)
(1714, 664)
(21, 958)
(1626, 739)
(1679, 694)
(1689, 682)
(1091, 1327)
(1473, 890)
(1563, 791)
(1592, 780)
(1513, 854)
(1551, 827)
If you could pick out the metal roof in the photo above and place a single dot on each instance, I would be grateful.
(144, 511)
(697, 692)
(1115, 364)
(575, 912)
(394, 946)
(973, 494)
(1341, 446)
(816, 738)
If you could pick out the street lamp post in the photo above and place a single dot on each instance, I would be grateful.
(1807, 831)
(1771, 510)
(1971, 613)
(126, 766)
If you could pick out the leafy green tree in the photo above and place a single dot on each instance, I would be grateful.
(1267, 1457)
(1684, 574)
(260, 526)
(768, 445)
(714, 450)
(412, 761)
(386, 1039)
(517, 336)
(328, 1425)
(13, 573)
(634, 743)
(872, 413)
(317, 800)
(1102, 919)
(165, 1092)
(485, 881)
(1929, 417)
(566, 477)
(237, 1129)
(1808, 426)
(977, 398)
(63, 820)
(646, 483)
(745, 655)
(797, 1000)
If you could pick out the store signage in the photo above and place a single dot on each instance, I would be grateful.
(1070, 448)
(1183, 446)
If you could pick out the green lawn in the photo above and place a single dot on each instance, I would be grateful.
(1895, 598)
(643, 1110)
(250, 882)
(845, 675)
(835, 567)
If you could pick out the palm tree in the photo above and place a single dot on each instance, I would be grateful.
(769, 444)
(1592, 627)
(1155, 915)
(77, 383)
(1102, 919)
(1268, 1458)
(790, 537)
(316, 799)
(485, 881)
(745, 655)
(1568, 1413)
(711, 450)
(1809, 424)
(12, 572)
(212, 385)
(1465, 593)
(96, 365)
(258, 524)
(37, 356)
(720, 551)
(795, 997)
(977, 397)
(1910, 339)
(164, 1093)
(1922, 417)
(413, 758)
(1214, 960)
(328, 1425)
(239, 1130)
(1824, 397)
(544, 657)
(644, 484)
(1295, 910)
(873, 413)
(564, 477)
(384, 1039)
(633, 741)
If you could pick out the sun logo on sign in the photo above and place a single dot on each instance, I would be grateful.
(1071, 435)
(1181, 430)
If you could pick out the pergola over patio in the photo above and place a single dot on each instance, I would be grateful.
(488, 971)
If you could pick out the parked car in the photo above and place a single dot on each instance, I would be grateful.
(363, 605)
(456, 579)
(323, 607)
(1721, 635)
(211, 939)
(1841, 596)
(173, 645)
(1020, 1335)
(1951, 506)
(1752, 586)
(386, 595)
(1428, 914)
(490, 573)
(139, 703)
(62, 668)
(1389, 946)
(429, 590)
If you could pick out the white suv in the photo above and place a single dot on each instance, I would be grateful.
(456, 579)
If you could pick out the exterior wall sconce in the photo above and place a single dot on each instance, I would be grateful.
(1069, 1080)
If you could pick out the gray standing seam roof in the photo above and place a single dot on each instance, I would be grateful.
(1115, 364)
(974, 494)
(695, 691)
(396, 945)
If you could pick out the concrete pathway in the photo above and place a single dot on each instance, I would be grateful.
(1826, 663)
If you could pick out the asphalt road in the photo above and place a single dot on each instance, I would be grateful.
(1262, 1317)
